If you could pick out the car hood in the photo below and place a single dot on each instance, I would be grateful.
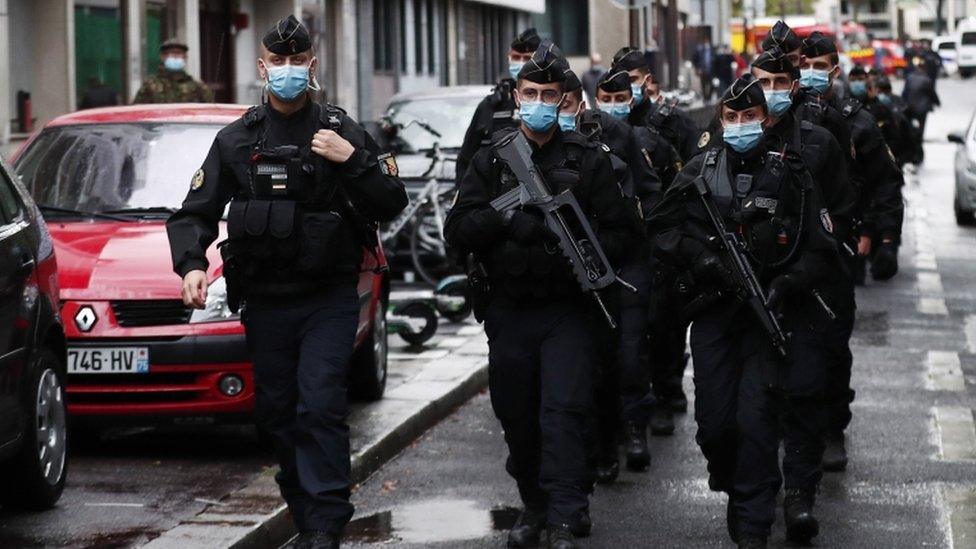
(105, 260)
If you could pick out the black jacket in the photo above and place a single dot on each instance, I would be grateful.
(677, 128)
(495, 112)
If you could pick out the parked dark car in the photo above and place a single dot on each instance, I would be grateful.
(33, 415)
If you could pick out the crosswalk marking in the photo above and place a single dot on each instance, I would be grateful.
(943, 372)
(932, 306)
(959, 503)
(956, 433)
(929, 283)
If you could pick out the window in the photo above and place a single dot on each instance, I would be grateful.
(385, 17)
(9, 203)
(566, 23)
(968, 39)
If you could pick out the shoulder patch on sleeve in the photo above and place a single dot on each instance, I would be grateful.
(388, 164)
(196, 182)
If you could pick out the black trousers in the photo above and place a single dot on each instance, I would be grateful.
(840, 361)
(541, 365)
(668, 334)
(301, 356)
(741, 419)
(633, 344)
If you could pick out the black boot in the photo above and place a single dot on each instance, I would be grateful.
(752, 543)
(732, 520)
(583, 524)
(662, 421)
(607, 470)
(318, 540)
(638, 456)
(560, 537)
(801, 525)
(527, 529)
(835, 454)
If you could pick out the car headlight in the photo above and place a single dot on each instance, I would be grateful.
(216, 308)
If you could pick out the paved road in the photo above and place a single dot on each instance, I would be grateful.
(912, 478)
(131, 484)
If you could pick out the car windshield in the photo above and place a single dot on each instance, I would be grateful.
(449, 116)
(968, 38)
(124, 168)
(947, 46)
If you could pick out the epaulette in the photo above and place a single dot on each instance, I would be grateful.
(851, 106)
(253, 116)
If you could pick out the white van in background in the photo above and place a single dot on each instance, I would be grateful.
(945, 46)
(966, 47)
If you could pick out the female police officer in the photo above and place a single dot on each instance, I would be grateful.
(766, 198)
(303, 180)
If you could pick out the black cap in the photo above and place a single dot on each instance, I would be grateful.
(173, 44)
(775, 61)
(628, 59)
(745, 92)
(572, 81)
(783, 37)
(858, 70)
(527, 42)
(547, 66)
(818, 44)
(287, 37)
(614, 81)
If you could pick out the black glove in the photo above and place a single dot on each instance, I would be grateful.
(527, 229)
(708, 266)
(779, 289)
(884, 264)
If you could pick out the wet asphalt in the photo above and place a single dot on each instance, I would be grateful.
(912, 476)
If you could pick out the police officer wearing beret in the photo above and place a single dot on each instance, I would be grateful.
(623, 394)
(879, 216)
(782, 36)
(895, 128)
(648, 107)
(542, 329)
(172, 84)
(497, 111)
(305, 185)
(764, 192)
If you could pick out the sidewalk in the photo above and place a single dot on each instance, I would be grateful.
(428, 384)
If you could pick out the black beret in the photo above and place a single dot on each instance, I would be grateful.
(614, 81)
(572, 81)
(173, 44)
(782, 36)
(775, 61)
(547, 66)
(745, 92)
(818, 44)
(287, 37)
(628, 59)
(527, 42)
(857, 70)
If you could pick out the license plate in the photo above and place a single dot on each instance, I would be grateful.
(108, 360)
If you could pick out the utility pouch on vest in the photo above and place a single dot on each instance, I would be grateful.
(262, 229)
(319, 243)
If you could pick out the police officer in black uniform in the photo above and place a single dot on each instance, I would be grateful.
(650, 109)
(861, 87)
(743, 388)
(624, 389)
(879, 214)
(912, 142)
(304, 182)
(782, 36)
(542, 332)
(497, 111)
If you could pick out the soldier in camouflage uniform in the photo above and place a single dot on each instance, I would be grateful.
(172, 84)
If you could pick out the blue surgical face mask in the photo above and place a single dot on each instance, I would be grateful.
(779, 102)
(884, 98)
(638, 92)
(859, 88)
(617, 110)
(287, 81)
(743, 137)
(567, 121)
(538, 116)
(174, 64)
(815, 79)
(514, 67)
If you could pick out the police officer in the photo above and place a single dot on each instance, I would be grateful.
(742, 386)
(782, 36)
(649, 109)
(304, 183)
(912, 153)
(863, 87)
(497, 111)
(880, 210)
(543, 341)
(172, 84)
(624, 392)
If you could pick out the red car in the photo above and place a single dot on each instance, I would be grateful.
(106, 180)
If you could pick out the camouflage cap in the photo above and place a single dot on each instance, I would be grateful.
(173, 44)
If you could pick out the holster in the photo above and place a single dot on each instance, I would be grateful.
(234, 274)
(478, 287)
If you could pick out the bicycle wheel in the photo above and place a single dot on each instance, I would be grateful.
(427, 248)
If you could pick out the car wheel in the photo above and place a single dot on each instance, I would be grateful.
(36, 476)
(963, 218)
(367, 377)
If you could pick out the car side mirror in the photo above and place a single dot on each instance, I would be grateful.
(956, 137)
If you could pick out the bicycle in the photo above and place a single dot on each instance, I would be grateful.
(425, 215)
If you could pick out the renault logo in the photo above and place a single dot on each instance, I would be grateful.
(85, 318)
